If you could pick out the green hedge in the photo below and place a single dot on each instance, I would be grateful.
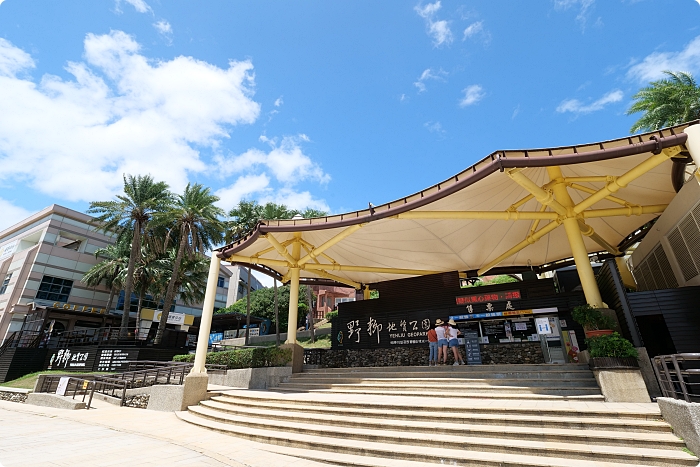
(612, 345)
(245, 358)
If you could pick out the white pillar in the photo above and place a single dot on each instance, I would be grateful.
(693, 145)
(293, 306)
(200, 356)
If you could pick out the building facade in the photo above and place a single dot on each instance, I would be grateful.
(42, 262)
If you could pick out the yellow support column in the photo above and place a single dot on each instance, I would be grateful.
(200, 355)
(366, 293)
(578, 248)
(294, 293)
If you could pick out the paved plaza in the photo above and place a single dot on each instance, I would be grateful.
(121, 436)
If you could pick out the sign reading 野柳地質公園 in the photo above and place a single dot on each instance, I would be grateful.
(490, 297)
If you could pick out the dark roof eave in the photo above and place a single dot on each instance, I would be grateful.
(499, 163)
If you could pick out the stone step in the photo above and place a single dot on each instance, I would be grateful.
(402, 445)
(420, 405)
(487, 394)
(478, 459)
(580, 375)
(436, 424)
(464, 386)
(495, 417)
(462, 368)
(580, 382)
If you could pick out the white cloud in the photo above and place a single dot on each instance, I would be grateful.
(11, 214)
(429, 74)
(243, 187)
(279, 101)
(120, 113)
(472, 95)
(439, 30)
(576, 106)
(12, 59)
(653, 65)
(473, 29)
(435, 127)
(285, 161)
(4, 0)
(140, 5)
(585, 8)
(164, 29)
(295, 200)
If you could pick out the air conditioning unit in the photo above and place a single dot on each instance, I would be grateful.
(669, 255)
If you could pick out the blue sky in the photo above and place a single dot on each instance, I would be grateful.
(311, 103)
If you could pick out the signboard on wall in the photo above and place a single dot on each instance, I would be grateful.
(471, 347)
(492, 297)
(71, 360)
(115, 359)
(542, 325)
(372, 330)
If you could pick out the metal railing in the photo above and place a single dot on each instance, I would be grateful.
(83, 387)
(141, 374)
(96, 336)
(24, 339)
(679, 375)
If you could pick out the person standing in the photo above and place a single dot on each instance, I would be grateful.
(442, 342)
(453, 342)
(433, 344)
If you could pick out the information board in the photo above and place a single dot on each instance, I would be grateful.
(115, 359)
(471, 347)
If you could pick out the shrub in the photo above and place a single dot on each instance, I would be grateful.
(612, 345)
(258, 357)
(331, 315)
(591, 318)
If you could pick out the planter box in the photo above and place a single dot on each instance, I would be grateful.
(598, 333)
(619, 363)
(253, 378)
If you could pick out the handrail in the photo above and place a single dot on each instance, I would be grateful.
(679, 375)
(84, 387)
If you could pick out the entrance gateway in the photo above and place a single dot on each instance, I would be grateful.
(511, 211)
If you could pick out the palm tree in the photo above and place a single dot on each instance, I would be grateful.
(194, 219)
(666, 102)
(147, 273)
(128, 216)
(247, 214)
(115, 261)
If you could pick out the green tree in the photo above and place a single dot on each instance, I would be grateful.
(262, 305)
(244, 217)
(194, 219)
(666, 102)
(115, 260)
(129, 216)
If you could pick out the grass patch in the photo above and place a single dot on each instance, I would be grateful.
(28, 381)
(688, 451)
(322, 342)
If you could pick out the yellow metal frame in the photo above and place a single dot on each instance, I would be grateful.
(556, 207)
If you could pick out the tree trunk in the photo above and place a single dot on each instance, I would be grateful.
(277, 318)
(138, 316)
(111, 299)
(170, 294)
(311, 314)
(247, 310)
(128, 284)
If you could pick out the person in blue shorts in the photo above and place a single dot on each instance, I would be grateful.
(440, 328)
(451, 333)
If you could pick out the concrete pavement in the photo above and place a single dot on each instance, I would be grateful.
(120, 436)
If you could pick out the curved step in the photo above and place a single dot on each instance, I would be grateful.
(456, 386)
(263, 415)
(477, 406)
(467, 416)
(462, 450)
(550, 382)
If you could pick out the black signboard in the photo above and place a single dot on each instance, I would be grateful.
(115, 359)
(489, 297)
(471, 346)
(372, 330)
(76, 359)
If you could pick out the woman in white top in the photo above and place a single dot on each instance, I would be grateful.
(443, 342)
(453, 342)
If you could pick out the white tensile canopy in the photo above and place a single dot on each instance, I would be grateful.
(509, 202)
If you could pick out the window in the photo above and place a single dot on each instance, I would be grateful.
(5, 283)
(220, 282)
(343, 300)
(54, 289)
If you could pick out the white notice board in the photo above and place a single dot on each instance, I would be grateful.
(542, 325)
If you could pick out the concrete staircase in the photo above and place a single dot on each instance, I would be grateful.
(496, 415)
